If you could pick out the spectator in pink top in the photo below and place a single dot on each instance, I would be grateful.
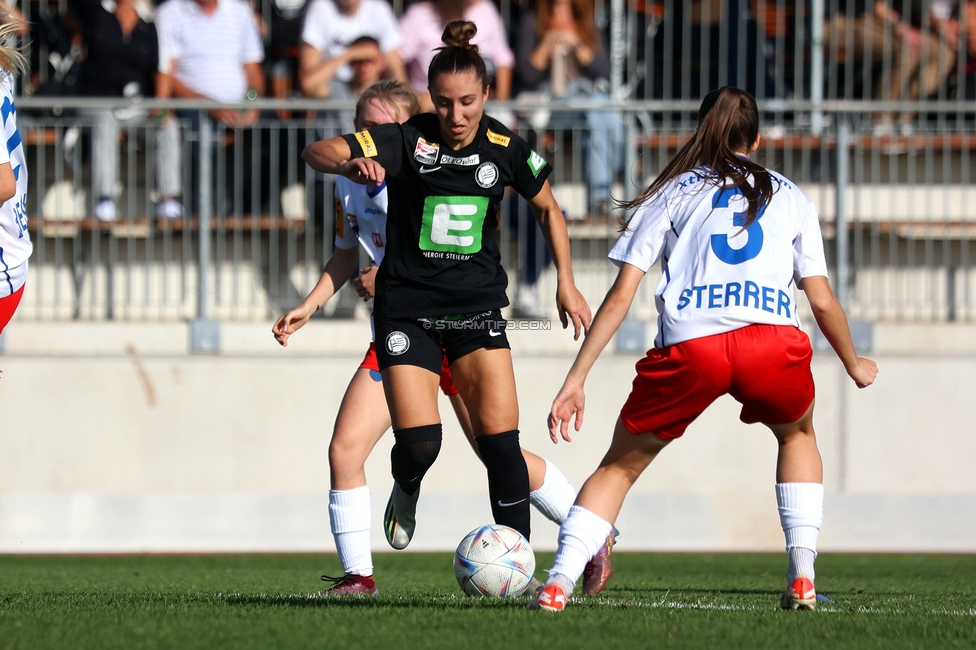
(424, 22)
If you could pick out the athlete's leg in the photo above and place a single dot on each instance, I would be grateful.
(798, 460)
(411, 393)
(362, 420)
(799, 496)
(549, 490)
(591, 520)
(486, 381)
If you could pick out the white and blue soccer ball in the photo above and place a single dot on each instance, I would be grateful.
(494, 561)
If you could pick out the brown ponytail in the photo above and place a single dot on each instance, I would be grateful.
(458, 53)
(728, 122)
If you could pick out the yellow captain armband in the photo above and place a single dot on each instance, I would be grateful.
(365, 140)
(494, 138)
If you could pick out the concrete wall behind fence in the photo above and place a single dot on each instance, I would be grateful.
(114, 439)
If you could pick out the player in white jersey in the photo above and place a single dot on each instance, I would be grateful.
(363, 417)
(15, 243)
(733, 238)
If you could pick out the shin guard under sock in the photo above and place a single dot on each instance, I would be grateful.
(349, 514)
(508, 479)
(415, 451)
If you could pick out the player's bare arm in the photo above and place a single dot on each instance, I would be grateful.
(832, 320)
(337, 270)
(569, 300)
(332, 156)
(570, 400)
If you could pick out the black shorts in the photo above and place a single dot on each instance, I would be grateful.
(424, 342)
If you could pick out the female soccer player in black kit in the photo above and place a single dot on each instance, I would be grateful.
(441, 284)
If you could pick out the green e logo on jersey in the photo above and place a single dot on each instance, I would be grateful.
(452, 224)
(536, 163)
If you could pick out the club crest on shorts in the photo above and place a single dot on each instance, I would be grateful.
(486, 175)
(426, 152)
(397, 343)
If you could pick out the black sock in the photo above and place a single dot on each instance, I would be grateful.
(415, 451)
(508, 480)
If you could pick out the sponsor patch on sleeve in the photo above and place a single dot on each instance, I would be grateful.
(494, 138)
(426, 152)
(366, 142)
(536, 163)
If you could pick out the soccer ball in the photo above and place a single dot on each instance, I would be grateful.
(494, 561)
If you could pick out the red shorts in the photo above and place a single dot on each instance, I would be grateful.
(8, 306)
(447, 382)
(766, 368)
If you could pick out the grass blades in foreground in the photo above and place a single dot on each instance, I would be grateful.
(654, 600)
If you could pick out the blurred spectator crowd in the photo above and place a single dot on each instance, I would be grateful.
(235, 51)
(225, 49)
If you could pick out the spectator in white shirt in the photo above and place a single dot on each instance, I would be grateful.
(327, 49)
(211, 49)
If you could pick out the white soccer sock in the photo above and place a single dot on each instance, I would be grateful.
(801, 514)
(555, 496)
(580, 537)
(349, 512)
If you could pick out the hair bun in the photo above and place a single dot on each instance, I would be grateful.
(459, 33)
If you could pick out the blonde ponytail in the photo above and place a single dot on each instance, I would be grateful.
(12, 58)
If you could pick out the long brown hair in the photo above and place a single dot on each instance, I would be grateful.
(728, 122)
(582, 14)
(459, 54)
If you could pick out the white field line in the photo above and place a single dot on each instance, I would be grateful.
(639, 604)
(821, 607)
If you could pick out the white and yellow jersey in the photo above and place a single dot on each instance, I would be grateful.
(15, 243)
(718, 275)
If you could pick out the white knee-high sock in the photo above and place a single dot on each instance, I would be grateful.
(580, 537)
(555, 496)
(801, 514)
(349, 511)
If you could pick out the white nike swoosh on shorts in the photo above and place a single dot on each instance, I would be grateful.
(494, 333)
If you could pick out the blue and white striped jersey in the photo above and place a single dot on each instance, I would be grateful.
(15, 243)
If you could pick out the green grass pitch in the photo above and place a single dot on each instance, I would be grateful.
(655, 600)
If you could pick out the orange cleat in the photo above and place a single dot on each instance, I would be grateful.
(550, 598)
(799, 595)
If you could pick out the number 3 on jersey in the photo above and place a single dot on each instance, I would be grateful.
(453, 224)
(754, 233)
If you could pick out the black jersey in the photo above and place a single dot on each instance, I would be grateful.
(442, 254)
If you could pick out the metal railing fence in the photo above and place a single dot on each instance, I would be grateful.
(896, 210)
(680, 49)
